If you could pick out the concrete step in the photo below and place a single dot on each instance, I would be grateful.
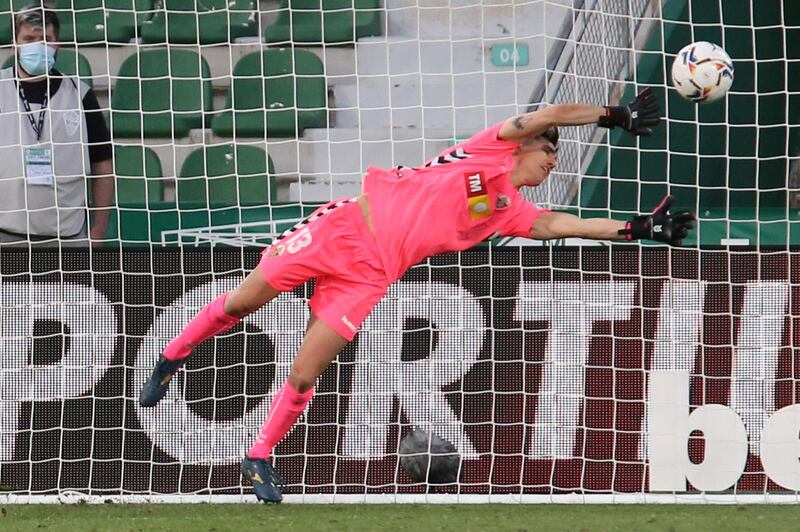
(349, 151)
(320, 192)
(333, 161)
(420, 102)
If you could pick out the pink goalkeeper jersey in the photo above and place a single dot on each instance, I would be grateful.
(459, 198)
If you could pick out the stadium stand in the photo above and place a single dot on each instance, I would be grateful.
(161, 93)
(99, 21)
(325, 21)
(262, 96)
(207, 22)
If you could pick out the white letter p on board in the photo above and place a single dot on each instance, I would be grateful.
(89, 323)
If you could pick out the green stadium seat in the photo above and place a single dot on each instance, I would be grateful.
(7, 7)
(138, 172)
(146, 228)
(68, 62)
(328, 21)
(161, 94)
(262, 96)
(141, 227)
(139, 216)
(86, 21)
(209, 21)
(219, 176)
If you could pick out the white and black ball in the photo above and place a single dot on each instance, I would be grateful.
(702, 72)
(429, 458)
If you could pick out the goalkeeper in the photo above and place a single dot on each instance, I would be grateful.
(355, 248)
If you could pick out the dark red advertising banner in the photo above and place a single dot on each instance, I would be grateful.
(536, 363)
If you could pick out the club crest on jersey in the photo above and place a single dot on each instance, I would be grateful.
(477, 195)
(276, 250)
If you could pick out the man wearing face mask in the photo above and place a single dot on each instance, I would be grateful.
(52, 137)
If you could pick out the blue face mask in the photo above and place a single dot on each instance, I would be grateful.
(36, 58)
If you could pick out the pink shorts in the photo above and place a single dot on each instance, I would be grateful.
(335, 246)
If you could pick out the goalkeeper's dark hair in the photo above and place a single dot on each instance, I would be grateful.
(551, 135)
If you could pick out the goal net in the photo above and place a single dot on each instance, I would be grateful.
(566, 373)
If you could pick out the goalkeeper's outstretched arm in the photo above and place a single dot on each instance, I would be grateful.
(636, 118)
(660, 225)
(553, 225)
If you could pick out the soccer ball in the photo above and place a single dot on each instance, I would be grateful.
(430, 459)
(702, 72)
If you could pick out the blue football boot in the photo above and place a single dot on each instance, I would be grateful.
(268, 485)
(156, 386)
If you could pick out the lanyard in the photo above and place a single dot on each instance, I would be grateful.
(38, 128)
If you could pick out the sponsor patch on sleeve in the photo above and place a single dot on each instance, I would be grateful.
(477, 195)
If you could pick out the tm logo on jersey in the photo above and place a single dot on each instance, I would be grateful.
(477, 196)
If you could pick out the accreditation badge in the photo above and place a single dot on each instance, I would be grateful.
(39, 165)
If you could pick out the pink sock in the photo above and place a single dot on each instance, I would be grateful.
(287, 405)
(210, 321)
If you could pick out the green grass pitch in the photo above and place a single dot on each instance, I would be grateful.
(382, 518)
